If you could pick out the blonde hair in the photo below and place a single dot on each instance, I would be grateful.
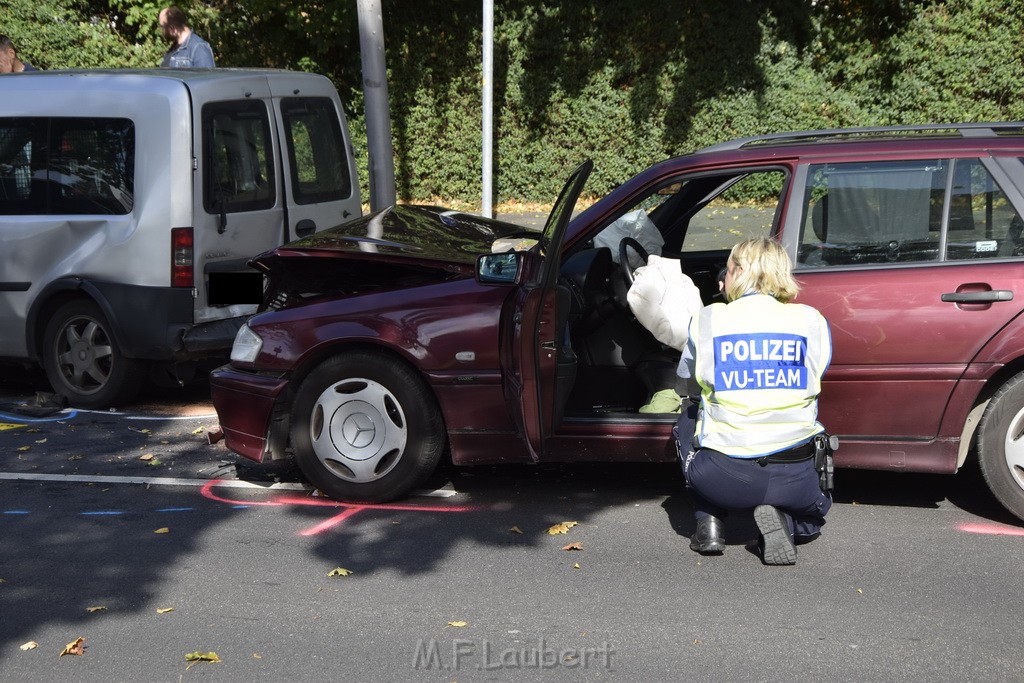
(765, 268)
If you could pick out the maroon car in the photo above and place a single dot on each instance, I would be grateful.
(414, 333)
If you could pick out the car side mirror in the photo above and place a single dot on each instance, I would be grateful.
(498, 268)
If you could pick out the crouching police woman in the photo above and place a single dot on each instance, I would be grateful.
(756, 362)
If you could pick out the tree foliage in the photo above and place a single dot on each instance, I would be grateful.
(626, 82)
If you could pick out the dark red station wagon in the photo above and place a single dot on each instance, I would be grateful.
(415, 333)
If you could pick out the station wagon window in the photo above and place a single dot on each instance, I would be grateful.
(745, 208)
(238, 174)
(713, 212)
(66, 166)
(893, 212)
(316, 150)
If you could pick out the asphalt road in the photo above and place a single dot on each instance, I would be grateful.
(916, 578)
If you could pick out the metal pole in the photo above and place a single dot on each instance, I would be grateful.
(375, 94)
(488, 97)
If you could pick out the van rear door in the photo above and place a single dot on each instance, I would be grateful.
(320, 178)
(237, 205)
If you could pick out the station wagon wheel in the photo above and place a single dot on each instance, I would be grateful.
(83, 361)
(1001, 445)
(365, 427)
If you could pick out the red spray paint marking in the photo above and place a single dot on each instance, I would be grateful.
(991, 529)
(350, 509)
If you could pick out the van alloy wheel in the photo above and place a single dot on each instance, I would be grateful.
(83, 361)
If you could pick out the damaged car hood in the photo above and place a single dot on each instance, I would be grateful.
(421, 233)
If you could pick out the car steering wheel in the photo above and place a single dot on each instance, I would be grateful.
(625, 245)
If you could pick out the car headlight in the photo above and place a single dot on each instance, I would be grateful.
(247, 345)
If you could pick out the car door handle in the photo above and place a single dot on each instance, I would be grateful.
(978, 297)
(305, 227)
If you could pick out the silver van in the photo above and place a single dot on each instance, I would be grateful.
(131, 201)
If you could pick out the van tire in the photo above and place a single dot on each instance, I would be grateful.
(398, 435)
(83, 361)
(1001, 445)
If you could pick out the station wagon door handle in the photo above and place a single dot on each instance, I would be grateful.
(978, 297)
(305, 227)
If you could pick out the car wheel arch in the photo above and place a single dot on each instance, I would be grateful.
(50, 300)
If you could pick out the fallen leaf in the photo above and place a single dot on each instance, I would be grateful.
(30, 645)
(576, 566)
(41, 441)
(140, 431)
(22, 449)
(696, 642)
(339, 571)
(3, 580)
(516, 530)
(458, 624)
(76, 457)
(573, 546)
(162, 530)
(98, 608)
(164, 610)
(147, 456)
(561, 528)
(199, 430)
(860, 590)
(154, 462)
(195, 657)
(76, 647)
(257, 655)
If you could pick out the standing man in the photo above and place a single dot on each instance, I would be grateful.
(187, 49)
(9, 62)
(756, 363)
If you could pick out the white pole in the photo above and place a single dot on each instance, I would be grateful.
(488, 102)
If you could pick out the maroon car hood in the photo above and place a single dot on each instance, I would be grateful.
(431, 236)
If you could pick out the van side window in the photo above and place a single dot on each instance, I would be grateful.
(67, 166)
(238, 174)
(316, 150)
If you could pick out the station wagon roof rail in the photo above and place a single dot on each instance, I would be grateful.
(872, 133)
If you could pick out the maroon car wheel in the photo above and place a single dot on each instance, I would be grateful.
(365, 427)
(1001, 445)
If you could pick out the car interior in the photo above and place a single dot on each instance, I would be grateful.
(609, 364)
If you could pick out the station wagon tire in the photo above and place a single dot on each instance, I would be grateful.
(366, 428)
(83, 361)
(1001, 445)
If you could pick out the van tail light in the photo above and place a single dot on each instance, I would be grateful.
(182, 257)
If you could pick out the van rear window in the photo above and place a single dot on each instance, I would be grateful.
(238, 174)
(66, 166)
(316, 150)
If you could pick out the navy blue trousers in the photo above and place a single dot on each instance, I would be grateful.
(718, 483)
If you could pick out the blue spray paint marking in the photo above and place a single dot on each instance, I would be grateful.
(16, 512)
(103, 512)
(175, 509)
(31, 420)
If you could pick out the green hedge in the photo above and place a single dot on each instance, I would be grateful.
(626, 82)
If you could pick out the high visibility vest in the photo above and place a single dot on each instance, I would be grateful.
(759, 363)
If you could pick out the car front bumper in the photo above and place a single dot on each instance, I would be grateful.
(245, 403)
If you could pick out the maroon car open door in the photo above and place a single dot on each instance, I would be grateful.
(532, 358)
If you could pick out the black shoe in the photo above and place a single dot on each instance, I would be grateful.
(776, 538)
(707, 537)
